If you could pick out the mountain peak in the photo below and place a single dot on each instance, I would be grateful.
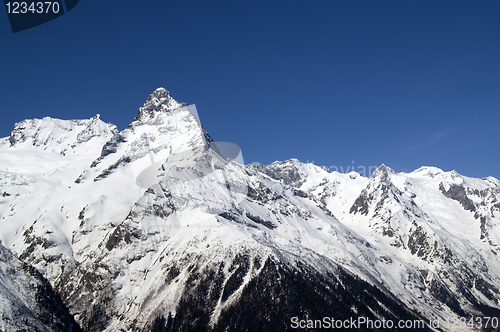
(159, 100)
(383, 171)
(428, 171)
(57, 133)
(160, 93)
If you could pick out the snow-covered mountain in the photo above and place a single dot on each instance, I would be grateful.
(151, 229)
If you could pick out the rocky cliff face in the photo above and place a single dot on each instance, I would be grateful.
(27, 300)
(152, 229)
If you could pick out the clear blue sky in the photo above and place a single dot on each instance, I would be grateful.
(404, 83)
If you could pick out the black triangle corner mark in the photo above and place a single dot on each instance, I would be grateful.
(70, 4)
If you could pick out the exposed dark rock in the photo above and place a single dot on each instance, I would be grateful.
(459, 194)
(122, 161)
(360, 204)
(418, 243)
(444, 295)
(260, 193)
(261, 221)
(120, 234)
(35, 242)
(110, 147)
(300, 193)
(285, 171)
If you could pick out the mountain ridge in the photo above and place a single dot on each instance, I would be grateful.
(150, 227)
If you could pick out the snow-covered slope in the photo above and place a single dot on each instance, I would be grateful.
(151, 228)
